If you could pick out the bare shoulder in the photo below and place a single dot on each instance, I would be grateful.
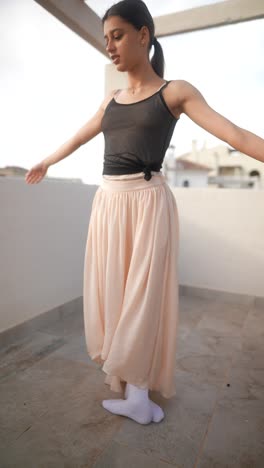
(177, 93)
(182, 88)
(107, 99)
(173, 95)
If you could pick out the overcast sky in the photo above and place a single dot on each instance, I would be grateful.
(52, 82)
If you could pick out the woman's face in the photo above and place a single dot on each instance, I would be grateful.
(124, 41)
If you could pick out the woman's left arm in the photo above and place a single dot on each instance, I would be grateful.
(195, 106)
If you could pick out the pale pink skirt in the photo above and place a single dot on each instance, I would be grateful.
(130, 289)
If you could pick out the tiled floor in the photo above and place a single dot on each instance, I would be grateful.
(51, 393)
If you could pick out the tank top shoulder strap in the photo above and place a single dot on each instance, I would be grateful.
(164, 85)
(117, 91)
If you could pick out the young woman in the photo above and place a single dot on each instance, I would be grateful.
(130, 289)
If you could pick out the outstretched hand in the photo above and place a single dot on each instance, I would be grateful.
(36, 173)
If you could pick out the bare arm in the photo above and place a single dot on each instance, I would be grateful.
(85, 134)
(195, 106)
(88, 131)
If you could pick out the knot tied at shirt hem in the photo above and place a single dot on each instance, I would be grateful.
(147, 172)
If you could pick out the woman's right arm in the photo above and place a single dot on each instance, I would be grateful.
(83, 135)
(89, 130)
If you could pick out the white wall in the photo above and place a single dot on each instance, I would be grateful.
(42, 240)
(43, 234)
(222, 239)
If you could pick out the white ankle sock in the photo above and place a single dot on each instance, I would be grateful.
(157, 411)
(136, 406)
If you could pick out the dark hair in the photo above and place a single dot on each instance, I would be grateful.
(137, 13)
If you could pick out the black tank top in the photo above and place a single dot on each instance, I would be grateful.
(137, 135)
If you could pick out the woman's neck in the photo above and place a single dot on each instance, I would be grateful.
(142, 77)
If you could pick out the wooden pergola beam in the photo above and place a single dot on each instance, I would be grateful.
(209, 16)
(80, 18)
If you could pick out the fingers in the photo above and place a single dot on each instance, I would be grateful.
(33, 179)
(35, 174)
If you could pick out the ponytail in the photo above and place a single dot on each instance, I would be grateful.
(157, 61)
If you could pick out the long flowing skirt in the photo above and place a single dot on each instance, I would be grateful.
(130, 288)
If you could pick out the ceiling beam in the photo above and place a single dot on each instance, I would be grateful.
(209, 16)
(80, 18)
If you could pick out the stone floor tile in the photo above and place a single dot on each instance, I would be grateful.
(18, 357)
(76, 350)
(235, 437)
(63, 422)
(71, 325)
(119, 456)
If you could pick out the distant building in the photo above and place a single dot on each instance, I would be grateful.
(226, 168)
(12, 171)
(182, 173)
(16, 171)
